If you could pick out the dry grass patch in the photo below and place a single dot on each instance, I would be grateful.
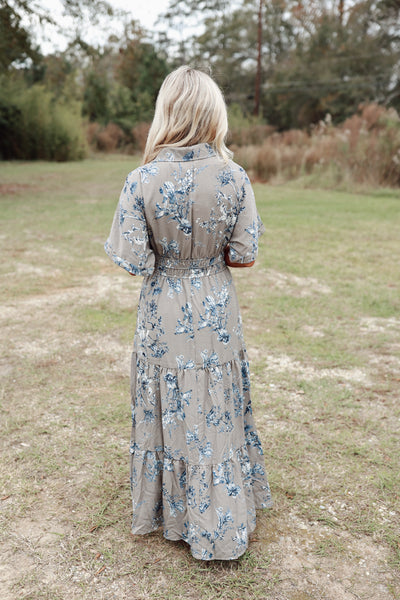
(364, 149)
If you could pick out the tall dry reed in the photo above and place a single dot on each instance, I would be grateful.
(365, 149)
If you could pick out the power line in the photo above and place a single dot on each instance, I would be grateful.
(354, 83)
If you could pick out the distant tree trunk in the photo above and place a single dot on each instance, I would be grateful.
(341, 10)
(258, 74)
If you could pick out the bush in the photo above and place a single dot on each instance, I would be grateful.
(111, 137)
(246, 130)
(10, 130)
(139, 134)
(364, 149)
(33, 125)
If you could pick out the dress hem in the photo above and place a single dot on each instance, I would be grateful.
(180, 538)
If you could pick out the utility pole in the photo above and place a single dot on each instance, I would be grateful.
(258, 73)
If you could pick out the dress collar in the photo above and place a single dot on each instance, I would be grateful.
(185, 153)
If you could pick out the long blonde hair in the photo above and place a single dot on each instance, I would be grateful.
(190, 109)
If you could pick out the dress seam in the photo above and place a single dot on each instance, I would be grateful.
(198, 367)
(244, 447)
(181, 160)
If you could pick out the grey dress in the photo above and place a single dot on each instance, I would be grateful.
(197, 466)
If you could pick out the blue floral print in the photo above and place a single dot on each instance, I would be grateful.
(176, 202)
(174, 285)
(216, 315)
(186, 324)
(197, 464)
(169, 247)
(148, 171)
(175, 402)
(188, 155)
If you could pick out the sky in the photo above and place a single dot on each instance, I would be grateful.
(144, 11)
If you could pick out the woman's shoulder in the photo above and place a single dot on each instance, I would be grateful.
(237, 171)
(143, 173)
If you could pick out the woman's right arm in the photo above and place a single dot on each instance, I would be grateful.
(233, 264)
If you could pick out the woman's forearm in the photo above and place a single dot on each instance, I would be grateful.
(233, 264)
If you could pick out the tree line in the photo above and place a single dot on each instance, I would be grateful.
(283, 62)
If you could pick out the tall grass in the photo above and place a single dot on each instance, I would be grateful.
(245, 130)
(363, 149)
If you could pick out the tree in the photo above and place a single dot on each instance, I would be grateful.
(15, 42)
(139, 66)
(122, 79)
(333, 65)
(259, 54)
(306, 59)
(96, 97)
(240, 41)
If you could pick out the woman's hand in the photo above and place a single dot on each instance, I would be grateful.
(235, 265)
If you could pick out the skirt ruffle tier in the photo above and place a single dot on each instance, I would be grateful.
(197, 466)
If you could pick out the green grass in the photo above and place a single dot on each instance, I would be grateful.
(321, 317)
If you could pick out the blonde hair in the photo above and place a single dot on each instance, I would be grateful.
(190, 109)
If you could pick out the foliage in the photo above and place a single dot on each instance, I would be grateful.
(245, 130)
(139, 67)
(363, 149)
(34, 126)
(18, 18)
(15, 43)
(111, 137)
(332, 68)
(318, 57)
(123, 80)
(104, 138)
(96, 97)
(114, 86)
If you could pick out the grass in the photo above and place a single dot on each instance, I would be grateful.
(321, 315)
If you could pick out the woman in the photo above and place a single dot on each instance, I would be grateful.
(197, 466)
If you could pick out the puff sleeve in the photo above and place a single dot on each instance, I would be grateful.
(128, 244)
(243, 244)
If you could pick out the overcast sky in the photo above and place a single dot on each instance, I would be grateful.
(144, 11)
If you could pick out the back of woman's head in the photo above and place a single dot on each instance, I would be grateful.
(190, 109)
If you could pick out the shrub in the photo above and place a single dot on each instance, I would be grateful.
(365, 148)
(246, 130)
(139, 134)
(34, 126)
(10, 130)
(110, 138)
(92, 130)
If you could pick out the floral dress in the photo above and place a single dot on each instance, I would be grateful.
(197, 466)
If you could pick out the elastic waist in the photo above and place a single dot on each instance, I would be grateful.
(189, 267)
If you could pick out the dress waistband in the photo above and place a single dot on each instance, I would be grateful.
(189, 267)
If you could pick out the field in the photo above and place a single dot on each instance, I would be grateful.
(321, 310)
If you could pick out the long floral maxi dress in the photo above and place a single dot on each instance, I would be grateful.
(197, 466)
